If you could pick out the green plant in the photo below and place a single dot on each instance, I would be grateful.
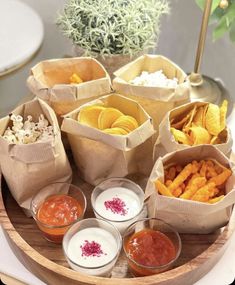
(222, 14)
(110, 27)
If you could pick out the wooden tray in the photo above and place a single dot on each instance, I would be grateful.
(46, 260)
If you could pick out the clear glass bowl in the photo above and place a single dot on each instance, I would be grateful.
(50, 232)
(157, 225)
(81, 236)
(123, 223)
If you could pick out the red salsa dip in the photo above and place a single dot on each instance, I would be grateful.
(56, 213)
(149, 248)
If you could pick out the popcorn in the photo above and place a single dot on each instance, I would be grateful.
(155, 79)
(28, 131)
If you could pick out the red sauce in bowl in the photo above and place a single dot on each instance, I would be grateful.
(56, 213)
(149, 248)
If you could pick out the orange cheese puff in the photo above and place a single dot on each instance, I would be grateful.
(162, 189)
(182, 186)
(171, 173)
(203, 194)
(216, 199)
(195, 184)
(203, 169)
(190, 181)
(177, 192)
(196, 166)
(222, 177)
(178, 168)
(168, 183)
(210, 163)
(211, 172)
(181, 177)
(214, 192)
(218, 169)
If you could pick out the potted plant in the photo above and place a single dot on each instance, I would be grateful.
(113, 31)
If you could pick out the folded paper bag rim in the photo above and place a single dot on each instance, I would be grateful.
(124, 142)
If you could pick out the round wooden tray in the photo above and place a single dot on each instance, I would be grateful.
(46, 260)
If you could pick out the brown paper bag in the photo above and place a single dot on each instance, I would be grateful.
(185, 215)
(156, 101)
(49, 80)
(29, 167)
(98, 155)
(166, 142)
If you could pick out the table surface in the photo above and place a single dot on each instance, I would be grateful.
(13, 90)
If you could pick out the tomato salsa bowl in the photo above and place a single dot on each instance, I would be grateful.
(56, 207)
(151, 246)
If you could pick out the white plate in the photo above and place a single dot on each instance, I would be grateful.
(21, 33)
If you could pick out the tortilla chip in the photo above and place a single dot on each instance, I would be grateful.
(188, 124)
(198, 118)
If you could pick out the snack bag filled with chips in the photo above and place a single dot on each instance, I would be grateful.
(67, 83)
(192, 189)
(193, 124)
(110, 137)
(32, 154)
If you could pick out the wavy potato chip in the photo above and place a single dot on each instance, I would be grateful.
(126, 122)
(223, 112)
(198, 118)
(181, 137)
(107, 117)
(89, 115)
(213, 119)
(115, 131)
(199, 135)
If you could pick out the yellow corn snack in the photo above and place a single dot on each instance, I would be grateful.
(162, 189)
(107, 117)
(75, 79)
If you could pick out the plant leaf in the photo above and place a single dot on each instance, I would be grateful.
(215, 4)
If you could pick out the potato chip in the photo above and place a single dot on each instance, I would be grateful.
(213, 119)
(89, 115)
(223, 112)
(205, 108)
(199, 135)
(115, 131)
(188, 124)
(107, 117)
(126, 122)
(198, 118)
(181, 137)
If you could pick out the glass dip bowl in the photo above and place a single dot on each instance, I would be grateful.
(118, 201)
(56, 207)
(92, 246)
(151, 246)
